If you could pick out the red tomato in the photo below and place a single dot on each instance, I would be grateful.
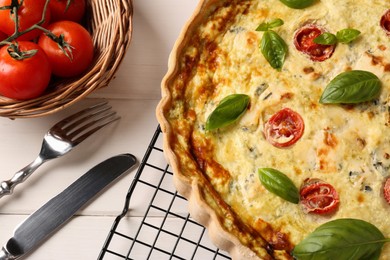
(27, 78)
(386, 190)
(74, 12)
(3, 36)
(304, 37)
(284, 128)
(30, 13)
(80, 51)
(319, 197)
(304, 42)
(385, 22)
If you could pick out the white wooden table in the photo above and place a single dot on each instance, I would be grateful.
(134, 93)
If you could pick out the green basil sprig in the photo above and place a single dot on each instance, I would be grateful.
(350, 87)
(279, 184)
(298, 4)
(343, 36)
(274, 49)
(342, 239)
(347, 35)
(228, 111)
(265, 26)
(326, 38)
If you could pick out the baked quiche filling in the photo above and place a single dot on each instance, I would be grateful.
(316, 83)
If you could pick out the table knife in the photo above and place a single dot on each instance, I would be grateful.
(43, 222)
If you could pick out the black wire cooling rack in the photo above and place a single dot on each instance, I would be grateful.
(175, 235)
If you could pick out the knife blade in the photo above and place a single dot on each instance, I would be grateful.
(43, 222)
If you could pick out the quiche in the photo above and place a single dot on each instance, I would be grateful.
(276, 122)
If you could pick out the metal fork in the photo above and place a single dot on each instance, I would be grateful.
(62, 138)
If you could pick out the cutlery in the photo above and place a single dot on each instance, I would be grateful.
(62, 138)
(43, 222)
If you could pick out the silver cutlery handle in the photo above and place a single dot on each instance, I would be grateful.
(7, 187)
(5, 255)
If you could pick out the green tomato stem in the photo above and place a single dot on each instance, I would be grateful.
(15, 7)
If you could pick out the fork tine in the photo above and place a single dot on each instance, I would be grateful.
(100, 123)
(79, 114)
(92, 120)
(83, 118)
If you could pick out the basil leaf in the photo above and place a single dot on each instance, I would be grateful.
(347, 35)
(297, 4)
(228, 111)
(279, 184)
(275, 23)
(274, 49)
(342, 239)
(326, 38)
(272, 24)
(353, 86)
(343, 36)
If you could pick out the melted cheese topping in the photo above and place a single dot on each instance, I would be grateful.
(346, 146)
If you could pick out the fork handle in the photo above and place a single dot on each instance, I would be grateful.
(7, 187)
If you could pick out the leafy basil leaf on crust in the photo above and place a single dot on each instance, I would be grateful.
(342, 239)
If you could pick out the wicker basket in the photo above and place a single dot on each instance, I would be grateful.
(110, 24)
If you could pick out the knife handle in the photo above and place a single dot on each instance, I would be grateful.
(5, 255)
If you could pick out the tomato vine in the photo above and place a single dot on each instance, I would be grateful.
(34, 44)
(12, 39)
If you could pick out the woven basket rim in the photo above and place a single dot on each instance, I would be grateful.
(110, 24)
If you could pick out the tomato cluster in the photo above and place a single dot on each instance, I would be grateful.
(39, 40)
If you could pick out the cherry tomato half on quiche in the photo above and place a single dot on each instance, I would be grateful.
(30, 13)
(386, 190)
(385, 22)
(73, 54)
(284, 128)
(23, 78)
(318, 197)
(304, 42)
(67, 10)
